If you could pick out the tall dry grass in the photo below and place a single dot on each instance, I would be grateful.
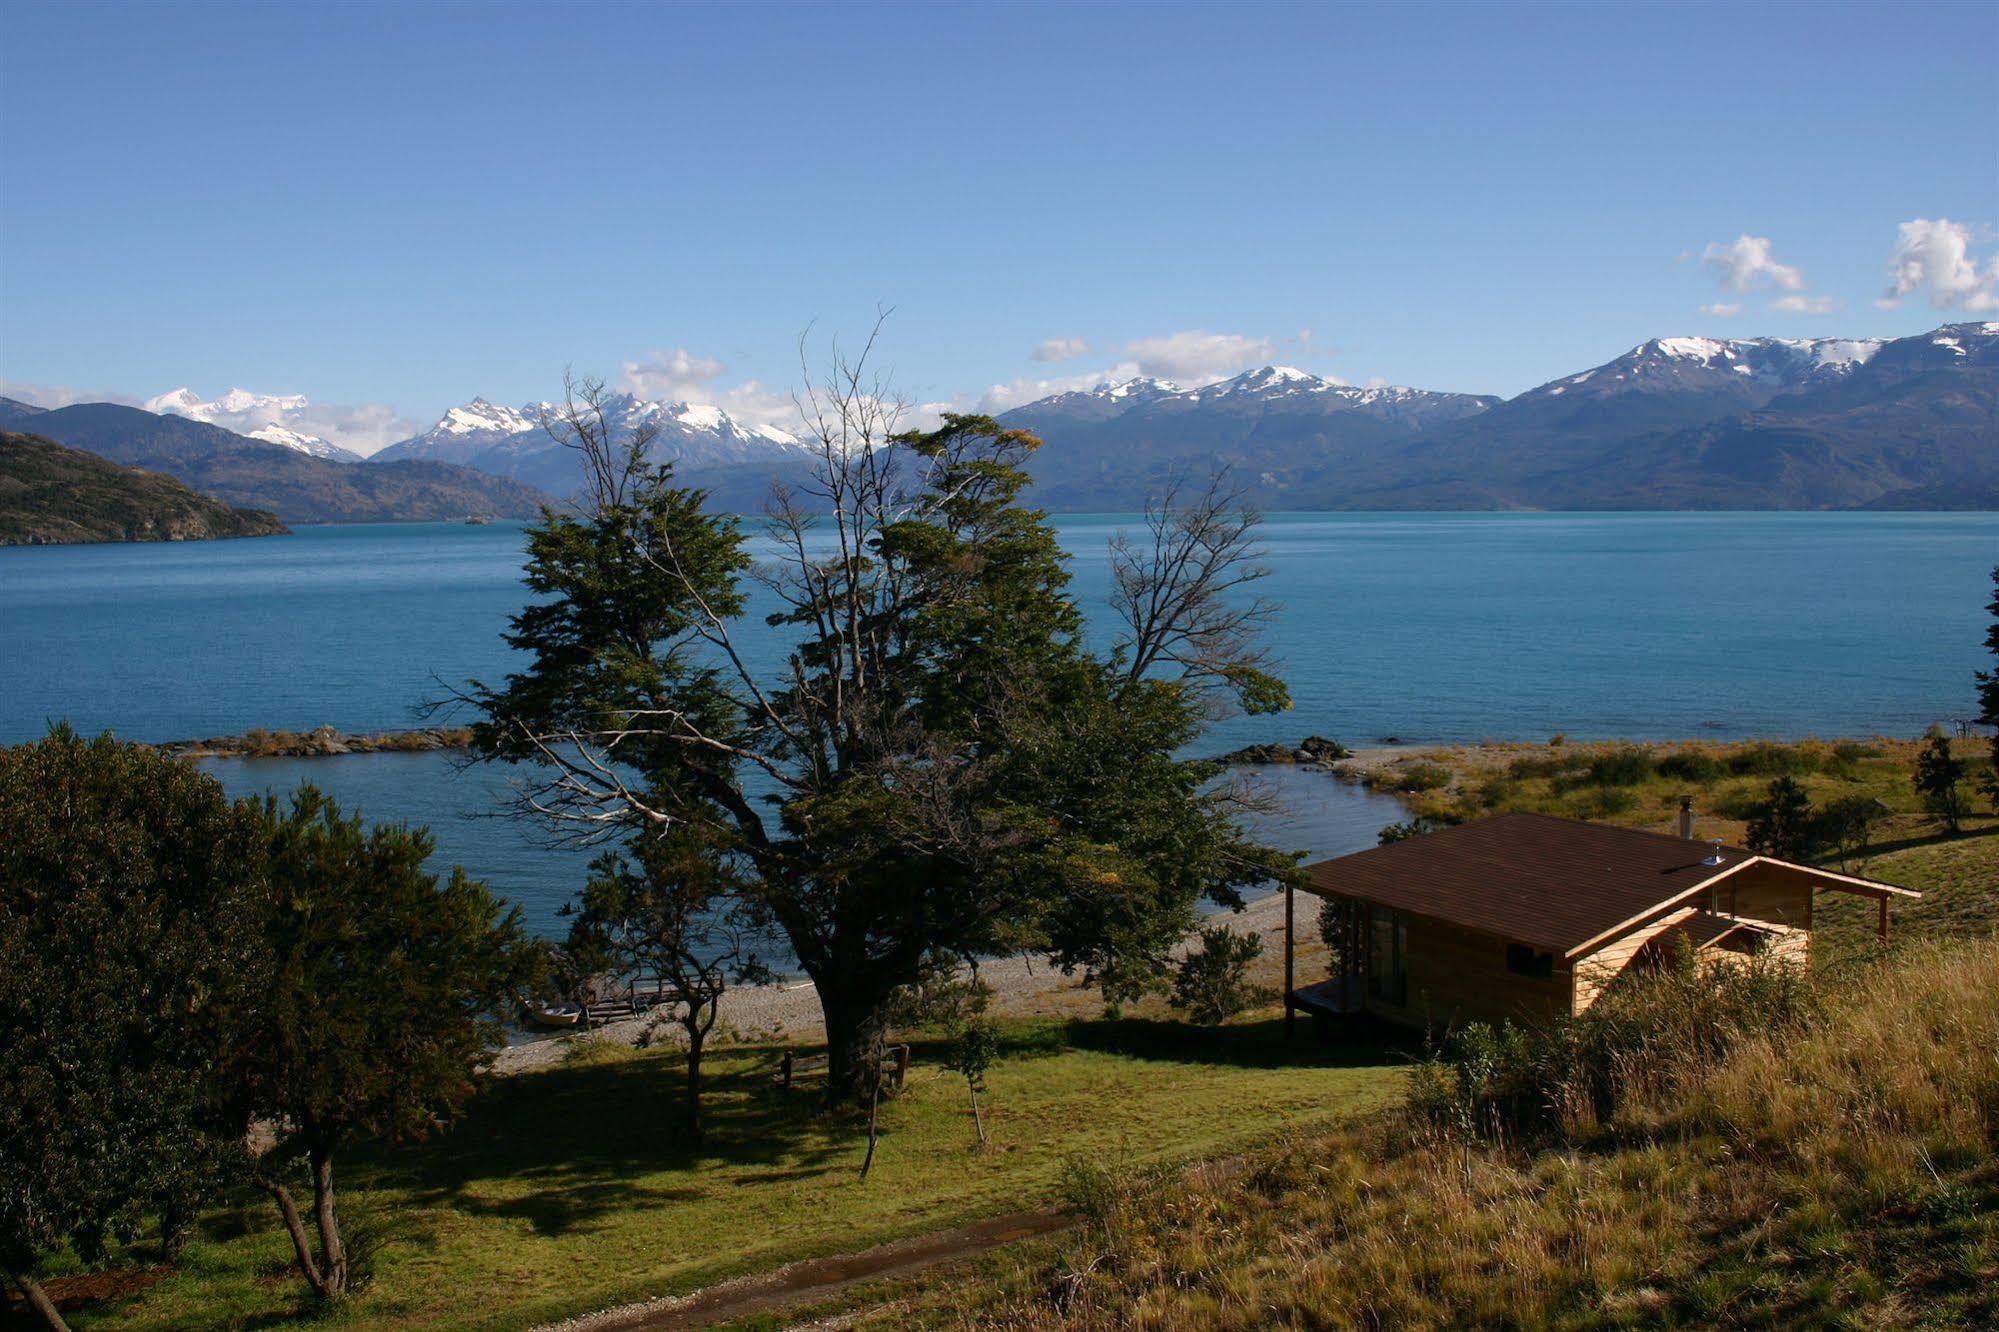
(1832, 1166)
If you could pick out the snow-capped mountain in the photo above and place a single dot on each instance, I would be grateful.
(1107, 444)
(1675, 422)
(261, 416)
(511, 441)
(1740, 368)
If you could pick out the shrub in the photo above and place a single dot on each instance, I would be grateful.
(1212, 984)
(1631, 1056)
(1692, 765)
(1608, 803)
(1423, 776)
(1784, 824)
(1402, 832)
(1764, 759)
(1630, 765)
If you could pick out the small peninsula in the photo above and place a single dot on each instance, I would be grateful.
(52, 495)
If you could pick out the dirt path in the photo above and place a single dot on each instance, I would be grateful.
(817, 1278)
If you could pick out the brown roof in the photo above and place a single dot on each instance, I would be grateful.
(1555, 883)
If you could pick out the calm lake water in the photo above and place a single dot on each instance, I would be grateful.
(1424, 626)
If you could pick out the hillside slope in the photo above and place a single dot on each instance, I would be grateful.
(297, 487)
(51, 495)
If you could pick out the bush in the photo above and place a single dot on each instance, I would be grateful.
(1635, 1053)
(1552, 765)
(1419, 826)
(1764, 759)
(1212, 984)
(1631, 765)
(1607, 803)
(1423, 776)
(1692, 765)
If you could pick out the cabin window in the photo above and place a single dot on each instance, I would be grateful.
(1388, 946)
(1522, 960)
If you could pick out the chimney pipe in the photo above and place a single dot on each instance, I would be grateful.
(1687, 817)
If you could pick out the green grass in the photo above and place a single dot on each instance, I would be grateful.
(1641, 785)
(569, 1190)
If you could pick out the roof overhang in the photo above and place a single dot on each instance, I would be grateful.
(1823, 878)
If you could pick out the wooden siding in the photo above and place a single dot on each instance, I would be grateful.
(1767, 898)
(1596, 970)
(1458, 975)
(1764, 893)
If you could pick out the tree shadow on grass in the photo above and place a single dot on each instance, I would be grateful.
(1356, 1042)
(576, 1143)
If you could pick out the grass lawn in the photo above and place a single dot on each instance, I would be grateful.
(568, 1190)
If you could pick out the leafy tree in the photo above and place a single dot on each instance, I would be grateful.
(941, 764)
(1939, 778)
(1212, 985)
(1845, 827)
(379, 994)
(667, 908)
(1392, 833)
(1782, 824)
(1988, 692)
(973, 1048)
(123, 874)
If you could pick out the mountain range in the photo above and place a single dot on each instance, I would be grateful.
(1673, 423)
(257, 474)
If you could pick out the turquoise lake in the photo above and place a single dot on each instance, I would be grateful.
(1418, 626)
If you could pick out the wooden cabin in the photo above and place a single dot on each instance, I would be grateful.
(1527, 916)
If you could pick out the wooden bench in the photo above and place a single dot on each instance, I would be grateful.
(794, 1065)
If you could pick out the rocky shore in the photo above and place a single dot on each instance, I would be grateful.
(321, 741)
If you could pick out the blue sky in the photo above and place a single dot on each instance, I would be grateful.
(391, 209)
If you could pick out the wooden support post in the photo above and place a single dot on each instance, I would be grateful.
(1290, 955)
(1881, 927)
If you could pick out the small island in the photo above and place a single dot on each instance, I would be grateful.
(51, 495)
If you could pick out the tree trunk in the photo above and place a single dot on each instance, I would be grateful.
(978, 1120)
(333, 1252)
(874, 1111)
(854, 1024)
(295, 1227)
(39, 1301)
(695, 1038)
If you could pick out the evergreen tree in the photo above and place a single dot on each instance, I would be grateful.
(1939, 779)
(941, 764)
(1213, 983)
(379, 992)
(1781, 825)
(124, 876)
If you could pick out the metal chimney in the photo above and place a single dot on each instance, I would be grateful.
(1687, 817)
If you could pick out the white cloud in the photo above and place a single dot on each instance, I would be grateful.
(1723, 309)
(1197, 356)
(683, 376)
(53, 396)
(998, 398)
(363, 428)
(1934, 258)
(1061, 349)
(1746, 264)
(1810, 305)
(676, 374)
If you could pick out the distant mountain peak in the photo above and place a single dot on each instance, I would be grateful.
(259, 416)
